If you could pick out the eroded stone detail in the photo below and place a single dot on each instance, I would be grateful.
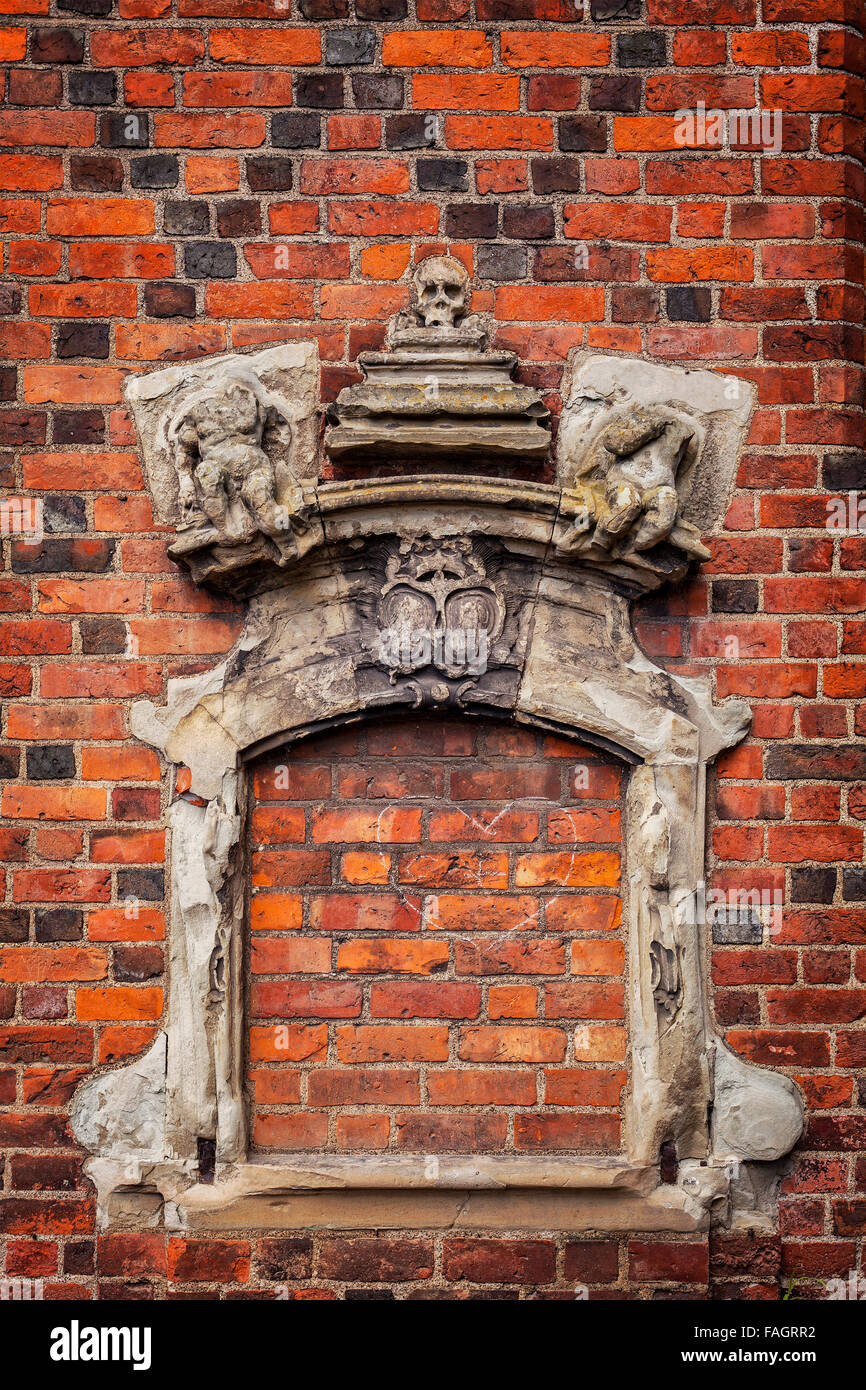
(438, 609)
(647, 456)
(230, 450)
(415, 555)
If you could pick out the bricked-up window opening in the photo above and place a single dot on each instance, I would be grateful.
(436, 951)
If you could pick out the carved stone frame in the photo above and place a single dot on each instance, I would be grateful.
(305, 662)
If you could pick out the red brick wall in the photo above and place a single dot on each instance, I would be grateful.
(437, 951)
(130, 243)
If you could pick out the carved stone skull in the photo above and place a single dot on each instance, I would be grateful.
(442, 289)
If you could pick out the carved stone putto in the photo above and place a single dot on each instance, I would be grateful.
(644, 454)
(437, 394)
(228, 446)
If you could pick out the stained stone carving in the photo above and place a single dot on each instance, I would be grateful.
(354, 626)
(437, 394)
(438, 611)
(644, 454)
(228, 447)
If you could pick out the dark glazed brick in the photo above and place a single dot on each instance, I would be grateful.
(854, 885)
(369, 1296)
(8, 388)
(155, 171)
(381, 9)
(471, 220)
(167, 299)
(97, 9)
(443, 175)
(14, 924)
(645, 49)
(58, 924)
(57, 46)
(614, 94)
(526, 222)
(51, 762)
(291, 131)
(689, 304)
(209, 260)
(124, 130)
(92, 88)
(57, 556)
(269, 175)
(186, 219)
(343, 47)
(78, 427)
(238, 217)
(378, 92)
(96, 174)
(411, 132)
(843, 472)
(813, 885)
(147, 884)
(63, 512)
(321, 90)
(102, 636)
(78, 339)
(832, 762)
(735, 926)
(615, 9)
(501, 262)
(584, 134)
(735, 596)
(324, 9)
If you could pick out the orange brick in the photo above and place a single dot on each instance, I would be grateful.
(426, 48)
(210, 173)
(46, 964)
(119, 764)
(359, 1043)
(54, 803)
(517, 1044)
(276, 912)
(392, 955)
(465, 92)
(557, 50)
(118, 1001)
(597, 957)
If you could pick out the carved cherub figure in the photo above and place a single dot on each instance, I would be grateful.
(224, 471)
(633, 463)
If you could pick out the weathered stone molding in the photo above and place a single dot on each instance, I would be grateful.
(559, 655)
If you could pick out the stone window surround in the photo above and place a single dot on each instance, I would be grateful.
(301, 665)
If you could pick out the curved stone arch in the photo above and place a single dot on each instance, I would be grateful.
(310, 658)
